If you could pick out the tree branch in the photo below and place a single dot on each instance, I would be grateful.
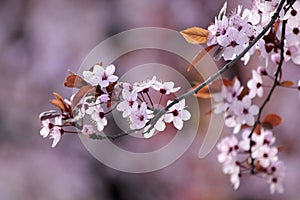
(226, 67)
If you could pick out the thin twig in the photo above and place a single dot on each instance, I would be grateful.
(275, 83)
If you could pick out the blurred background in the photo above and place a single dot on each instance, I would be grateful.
(41, 40)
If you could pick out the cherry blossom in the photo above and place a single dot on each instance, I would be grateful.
(138, 118)
(227, 96)
(265, 155)
(56, 131)
(144, 85)
(245, 111)
(217, 29)
(256, 141)
(100, 75)
(55, 135)
(228, 148)
(255, 85)
(46, 128)
(177, 114)
(232, 42)
(275, 177)
(129, 104)
(165, 88)
(98, 116)
(240, 113)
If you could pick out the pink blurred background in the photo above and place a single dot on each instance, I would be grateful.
(41, 40)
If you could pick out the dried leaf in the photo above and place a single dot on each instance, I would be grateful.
(287, 83)
(208, 90)
(74, 80)
(195, 35)
(199, 56)
(257, 129)
(59, 102)
(244, 92)
(203, 93)
(271, 120)
(280, 148)
(82, 92)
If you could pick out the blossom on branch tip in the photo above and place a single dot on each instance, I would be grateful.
(275, 177)
(46, 128)
(56, 131)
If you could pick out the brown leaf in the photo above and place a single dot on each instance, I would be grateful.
(199, 56)
(208, 90)
(244, 92)
(195, 35)
(257, 129)
(82, 92)
(203, 93)
(74, 80)
(287, 83)
(271, 120)
(280, 148)
(59, 102)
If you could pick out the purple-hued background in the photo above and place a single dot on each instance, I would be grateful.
(41, 40)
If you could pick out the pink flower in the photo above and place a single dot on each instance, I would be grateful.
(98, 116)
(138, 118)
(55, 135)
(46, 128)
(265, 155)
(56, 131)
(177, 114)
(275, 177)
(129, 104)
(245, 111)
(101, 76)
(232, 42)
(165, 88)
(255, 85)
(228, 148)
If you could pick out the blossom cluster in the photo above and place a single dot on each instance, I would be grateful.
(139, 107)
(233, 33)
(100, 93)
(234, 156)
(247, 150)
